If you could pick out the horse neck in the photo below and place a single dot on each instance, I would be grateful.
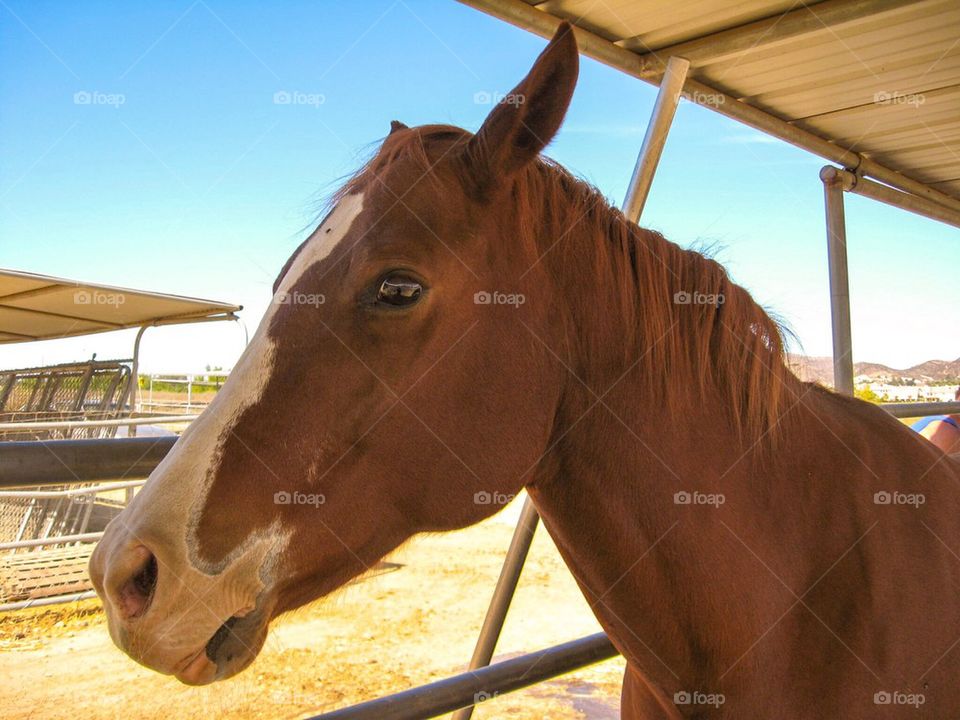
(608, 501)
(684, 589)
(622, 450)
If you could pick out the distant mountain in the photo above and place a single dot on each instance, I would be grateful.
(811, 368)
(937, 369)
(820, 369)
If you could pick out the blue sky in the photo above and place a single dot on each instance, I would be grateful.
(183, 175)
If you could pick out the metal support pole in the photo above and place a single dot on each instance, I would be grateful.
(133, 390)
(664, 109)
(134, 370)
(503, 593)
(895, 198)
(839, 282)
(133, 384)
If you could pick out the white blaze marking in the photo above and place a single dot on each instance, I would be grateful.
(180, 484)
(192, 600)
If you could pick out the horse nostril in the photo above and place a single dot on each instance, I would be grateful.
(136, 593)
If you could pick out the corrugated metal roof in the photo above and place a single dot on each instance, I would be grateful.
(645, 25)
(40, 307)
(880, 78)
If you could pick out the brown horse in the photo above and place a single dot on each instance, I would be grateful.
(470, 320)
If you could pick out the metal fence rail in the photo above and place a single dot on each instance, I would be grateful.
(115, 422)
(58, 462)
(55, 462)
(41, 602)
(56, 540)
(469, 688)
(78, 493)
(921, 409)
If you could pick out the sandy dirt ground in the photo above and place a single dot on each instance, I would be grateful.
(388, 633)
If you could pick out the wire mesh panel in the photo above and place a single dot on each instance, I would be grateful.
(93, 390)
(54, 568)
(26, 518)
(19, 519)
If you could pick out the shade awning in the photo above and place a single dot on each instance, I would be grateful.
(41, 307)
(871, 84)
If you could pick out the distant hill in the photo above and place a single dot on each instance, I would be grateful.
(820, 369)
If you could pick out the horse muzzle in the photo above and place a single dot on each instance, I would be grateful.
(173, 618)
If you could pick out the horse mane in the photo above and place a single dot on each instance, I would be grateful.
(732, 351)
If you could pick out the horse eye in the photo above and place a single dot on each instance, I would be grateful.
(399, 291)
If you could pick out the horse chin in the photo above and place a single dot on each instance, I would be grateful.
(234, 645)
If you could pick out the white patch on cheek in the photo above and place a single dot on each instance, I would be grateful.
(178, 487)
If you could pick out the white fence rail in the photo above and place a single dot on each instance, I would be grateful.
(188, 381)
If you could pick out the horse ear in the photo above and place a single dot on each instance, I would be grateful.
(397, 125)
(525, 121)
